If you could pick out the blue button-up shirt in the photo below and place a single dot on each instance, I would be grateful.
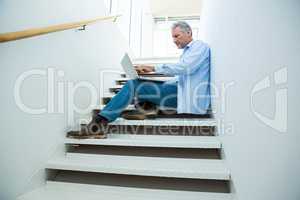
(193, 75)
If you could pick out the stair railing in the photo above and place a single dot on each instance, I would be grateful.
(6, 37)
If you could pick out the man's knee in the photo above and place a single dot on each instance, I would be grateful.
(148, 91)
(133, 82)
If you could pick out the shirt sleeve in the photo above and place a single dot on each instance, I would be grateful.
(189, 63)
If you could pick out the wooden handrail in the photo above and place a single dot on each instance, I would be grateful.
(6, 37)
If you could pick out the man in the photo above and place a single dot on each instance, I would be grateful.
(189, 92)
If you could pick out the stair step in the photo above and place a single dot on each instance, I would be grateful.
(142, 166)
(107, 98)
(164, 113)
(122, 80)
(109, 95)
(116, 88)
(167, 122)
(204, 142)
(62, 191)
(160, 78)
(123, 75)
(129, 107)
(161, 126)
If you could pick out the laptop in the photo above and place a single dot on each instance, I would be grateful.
(132, 73)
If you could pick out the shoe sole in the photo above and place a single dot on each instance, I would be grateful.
(77, 135)
(139, 117)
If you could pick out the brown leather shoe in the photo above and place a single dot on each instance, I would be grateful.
(143, 111)
(79, 135)
(93, 130)
(138, 115)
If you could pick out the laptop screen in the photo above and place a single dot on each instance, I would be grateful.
(128, 67)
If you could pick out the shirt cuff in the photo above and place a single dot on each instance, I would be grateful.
(159, 68)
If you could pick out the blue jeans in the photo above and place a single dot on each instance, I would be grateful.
(163, 94)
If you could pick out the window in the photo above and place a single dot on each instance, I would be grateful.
(146, 35)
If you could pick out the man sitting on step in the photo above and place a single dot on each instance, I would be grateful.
(189, 92)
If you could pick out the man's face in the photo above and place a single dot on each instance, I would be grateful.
(180, 38)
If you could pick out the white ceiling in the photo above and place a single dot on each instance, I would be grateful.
(171, 8)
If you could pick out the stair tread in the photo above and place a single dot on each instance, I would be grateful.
(117, 87)
(155, 74)
(62, 190)
(109, 95)
(129, 107)
(122, 79)
(207, 142)
(144, 166)
(167, 122)
(178, 122)
(163, 78)
(167, 113)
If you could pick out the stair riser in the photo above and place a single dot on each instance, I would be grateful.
(169, 114)
(147, 151)
(217, 186)
(119, 82)
(114, 90)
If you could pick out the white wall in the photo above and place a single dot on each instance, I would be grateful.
(27, 140)
(180, 8)
(251, 40)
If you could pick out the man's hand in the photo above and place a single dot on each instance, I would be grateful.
(144, 69)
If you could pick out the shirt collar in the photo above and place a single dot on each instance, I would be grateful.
(189, 44)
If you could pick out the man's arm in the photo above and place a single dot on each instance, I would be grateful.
(189, 64)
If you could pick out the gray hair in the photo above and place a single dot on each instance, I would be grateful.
(185, 27)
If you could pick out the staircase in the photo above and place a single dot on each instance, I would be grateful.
(171, 157)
